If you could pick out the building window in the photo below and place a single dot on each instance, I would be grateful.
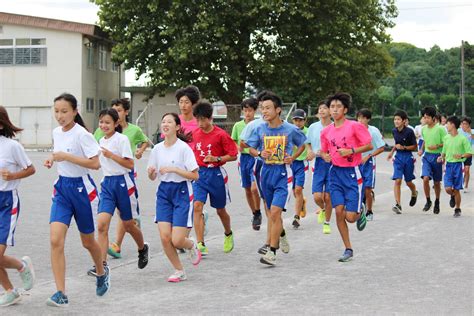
(102, 105)
(90, 105)
(102, 57)
(23, 51)
(90, 56)
(115, 67)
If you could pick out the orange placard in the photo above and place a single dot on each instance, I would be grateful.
(275, 144)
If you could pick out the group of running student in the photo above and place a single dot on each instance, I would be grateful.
(438, 144)
(274, 156)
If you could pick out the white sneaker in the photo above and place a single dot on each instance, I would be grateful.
(284, 244)
(177, 276)
(194, 254)
(28, 274)
(9, 298)
(268, 258)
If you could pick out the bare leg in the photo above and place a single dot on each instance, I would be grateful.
(198, 221)
(89, 242)
(7, 262)
(58, 261)
(225, 219)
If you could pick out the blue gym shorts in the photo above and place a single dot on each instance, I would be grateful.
(212, 182)
(75, 197)
(174, 204)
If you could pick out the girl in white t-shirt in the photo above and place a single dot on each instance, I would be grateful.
(75, 153)
(173, 163)
(117, 187)
(14, 165)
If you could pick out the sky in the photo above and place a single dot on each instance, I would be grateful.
(421, 23)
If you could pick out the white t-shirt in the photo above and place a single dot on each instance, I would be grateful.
(78, 142)
(119, 145)
(179, 155)
(418, 131)
(12, 158)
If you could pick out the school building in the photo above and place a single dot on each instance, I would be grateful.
(40, 58)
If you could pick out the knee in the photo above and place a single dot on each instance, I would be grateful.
(398, 182)
(318, 198)
(88, 243)
(128, 225)
(298, 190)
(57, 244)
(254, 190)
(102, 228)
(178, 241)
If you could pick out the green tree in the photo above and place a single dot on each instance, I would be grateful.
(384, 99)
(426, 99)
(404, 101)
(301, 49)
(449, 104)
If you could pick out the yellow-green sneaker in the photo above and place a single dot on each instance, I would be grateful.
(321, 216)
(202, 248)
(229, 243)
(326, 228)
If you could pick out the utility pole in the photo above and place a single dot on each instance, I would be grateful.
(463, 100)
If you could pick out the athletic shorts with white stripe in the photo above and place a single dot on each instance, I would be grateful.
(345, 187)
(75, 197)
(9, 211)
(276, 182)
(368, 173)
(212, 182)
(119, 192)
(174, 204)
(299, 168)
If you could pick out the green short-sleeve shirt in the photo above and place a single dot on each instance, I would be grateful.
(457, 145)
(236, 131)
(433, 136)
(133, 132)
(304, 154)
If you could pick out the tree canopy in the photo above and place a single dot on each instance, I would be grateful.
(302, 50)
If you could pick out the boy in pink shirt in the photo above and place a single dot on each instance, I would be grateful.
(342, 144)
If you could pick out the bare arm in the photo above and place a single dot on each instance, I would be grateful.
(9, 176)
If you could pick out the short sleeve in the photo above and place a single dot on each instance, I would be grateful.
(443, 133)
(152, 160)
(253, 139)
(89, 145)
(140, 137)
(466, 146)
(324, 141)
(443, 149)
(362, 134)
(125, 149)
(228, 144)
(378, 139)
(20, 157)
(98, 134)
(189, 159)
(298, 138)
(411, 139)
(235, 132)
(310, 134)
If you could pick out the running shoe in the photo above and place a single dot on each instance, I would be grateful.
(321, 216)
(58, 300)
(296, 222)
(28, 274)
(362, 221)
(303, 209)
(114, 251)
(263, 250)
(370, 216)
(284, 244)
(397, 209)
(257, 221)
(194, 254)
(143, 256)
(205, 214)
(202, 248)
(346, 256)
(177, 276)
(10, 297)
(452, 201)
(436, 207)
(268, 258)
(228, 243)
(326, 228)
(413, 198)
(181, 250)
(457, 212)
(427, 206)
(103, 282)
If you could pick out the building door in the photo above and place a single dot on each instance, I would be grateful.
(37, 125)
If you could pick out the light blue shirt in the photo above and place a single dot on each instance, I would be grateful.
(249, 128)
(467, 135)
(287, 134)
(377, 140)
(314, 136)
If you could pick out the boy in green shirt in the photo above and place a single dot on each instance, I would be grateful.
(247, 162)
(433, 135)
(138, 143)
(455, 151)
(299, 167)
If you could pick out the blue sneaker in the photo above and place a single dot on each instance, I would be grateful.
(58, 300)
(103, 282)
(346, 256)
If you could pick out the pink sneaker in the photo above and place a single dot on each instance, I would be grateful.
(194, 254)
(177, 276)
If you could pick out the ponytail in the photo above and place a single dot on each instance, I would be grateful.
(78, 119)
